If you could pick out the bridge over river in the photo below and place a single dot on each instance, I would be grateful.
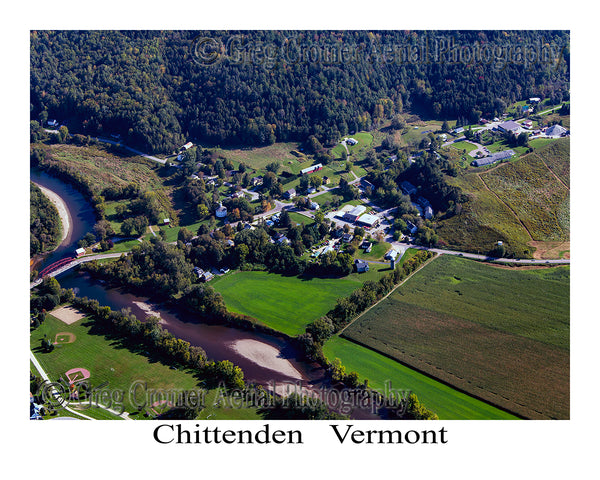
(67, 263)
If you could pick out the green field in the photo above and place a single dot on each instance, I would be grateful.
(499, 333)
(111, 359)
(286, 304)
(448, 403)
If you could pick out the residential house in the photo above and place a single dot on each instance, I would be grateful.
(79, 252)
(347, 237)
(53, 123)
(256, 181)
(326, 180)
(291, 193)
(408, 188)
(361, 265)
(391, 254)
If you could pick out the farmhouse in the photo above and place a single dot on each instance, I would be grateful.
(353, 214)
(79, 252)
(291, 193)
(534, 100)
(496, 157)
(408, 188)
(351, 141)
(166, 221)
(509, 126)
(187, 146)
(369, 220)
(361, 265)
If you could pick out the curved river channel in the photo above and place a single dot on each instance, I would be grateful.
(265, 359)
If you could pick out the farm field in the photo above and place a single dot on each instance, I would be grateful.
(517, 202)
(446, 402)
(457, 321)
(110, 359)
(286, 304)
(534, 193)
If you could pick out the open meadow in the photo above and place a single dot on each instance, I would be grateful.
(501, 334)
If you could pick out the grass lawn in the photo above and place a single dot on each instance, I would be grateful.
(500, 333)
(378, 250)
(449, 404)
(286, 304)
(462, 145)
(302, 219)
(113, 360)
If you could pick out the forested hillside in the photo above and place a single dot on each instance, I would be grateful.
(150, 87)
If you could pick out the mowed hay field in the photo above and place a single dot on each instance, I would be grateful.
(284, 303)
(500, 334)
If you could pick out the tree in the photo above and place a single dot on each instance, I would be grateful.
(398, 122)
(63, 134)
(316, 181)
(184, 235)
(203, 211)
(273, 167)
(284, 219)
(445, 127)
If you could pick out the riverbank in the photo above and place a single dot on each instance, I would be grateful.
(63, 212)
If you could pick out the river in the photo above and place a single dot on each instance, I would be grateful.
(80, 210)
(265, 359)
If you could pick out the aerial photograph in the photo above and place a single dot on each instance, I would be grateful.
(299, 225)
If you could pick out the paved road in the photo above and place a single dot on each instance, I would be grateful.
(476, 256)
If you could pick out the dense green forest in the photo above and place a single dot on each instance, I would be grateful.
(44, 222)
(151, 88)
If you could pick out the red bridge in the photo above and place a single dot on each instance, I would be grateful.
(55, 266)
